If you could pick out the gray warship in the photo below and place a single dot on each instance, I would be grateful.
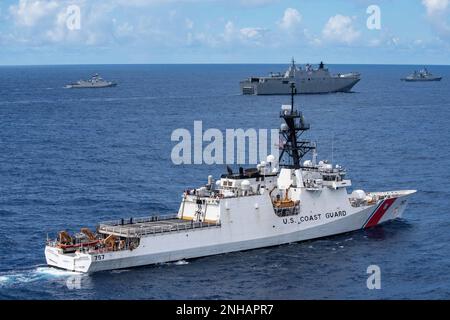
(308, 80)
(421, 75)
(95, 82)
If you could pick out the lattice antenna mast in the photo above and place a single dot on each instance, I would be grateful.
(293, 148)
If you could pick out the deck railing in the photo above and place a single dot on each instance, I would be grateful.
(126, 231)
(129, 221)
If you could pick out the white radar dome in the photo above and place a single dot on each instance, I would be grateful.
(286, 107)
(245, 185)
(307, 163)
(270, 158)
(359, 194)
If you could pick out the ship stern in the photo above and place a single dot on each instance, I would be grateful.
(247, 87)
(77, 262)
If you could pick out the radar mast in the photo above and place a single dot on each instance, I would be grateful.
(293, 148)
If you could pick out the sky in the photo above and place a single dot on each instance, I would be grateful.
(36, 32)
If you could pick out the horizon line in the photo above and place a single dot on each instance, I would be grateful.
(215, 63)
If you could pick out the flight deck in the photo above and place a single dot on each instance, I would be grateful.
(134, 228)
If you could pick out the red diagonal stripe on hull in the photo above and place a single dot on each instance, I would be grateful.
(376, 217)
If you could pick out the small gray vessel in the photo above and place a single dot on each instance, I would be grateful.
(95, 82)
(306, 80)
(421, 75)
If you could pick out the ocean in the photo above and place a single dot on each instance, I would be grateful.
(72, 158)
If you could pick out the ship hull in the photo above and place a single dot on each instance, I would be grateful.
(90, 86)
(422, 80)
(238, 232)
(281, 86)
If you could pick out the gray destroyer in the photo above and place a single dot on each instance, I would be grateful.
(307, 80)
(95, 82)
(421, 75)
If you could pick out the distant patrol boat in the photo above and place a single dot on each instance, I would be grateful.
(95, 82)
(280, 201)
(308, 80)
(421, 75)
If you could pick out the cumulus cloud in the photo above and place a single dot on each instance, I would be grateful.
(29, 12)
(252, 34)
(230, 36)
(435, 6)
(37, 22)
(45, 22)
(202, 39)
(123, 30)
(437, 14)
(229, 31)
(103, 23)
(291, 19)
(245, 35)
(340, 29)
(127, 22)
(189, 23)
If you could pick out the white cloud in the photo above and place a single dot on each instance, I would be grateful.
(29, 12)
(395, 41)
(245, 35)
(44, 22)
(173, 14)
(189, 23)
(203, 39)
(229, 31)
(231, 36)
(437, 14)
(58, 32)
(252, 34)
(340, 29)
(312, 38)
(291, 19)
(435, 6)
(374, 42)
(123, 30)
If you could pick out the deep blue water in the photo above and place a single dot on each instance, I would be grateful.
(72, 158)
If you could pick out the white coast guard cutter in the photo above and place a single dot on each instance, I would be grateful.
(280, 201)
